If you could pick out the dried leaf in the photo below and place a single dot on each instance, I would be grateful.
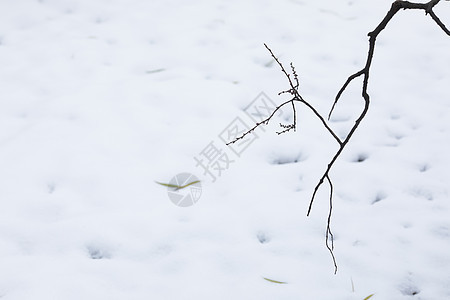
(178, 187)
(275, 281)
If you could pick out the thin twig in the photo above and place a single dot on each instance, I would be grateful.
(265, 122)
(329, 235)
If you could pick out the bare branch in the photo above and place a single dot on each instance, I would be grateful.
(439, 22)
(364, 72)
(338, 96)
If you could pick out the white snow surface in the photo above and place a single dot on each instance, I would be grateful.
(100, 99)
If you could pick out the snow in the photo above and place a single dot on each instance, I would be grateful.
(100, 99)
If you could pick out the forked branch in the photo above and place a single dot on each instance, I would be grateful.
(364, 72)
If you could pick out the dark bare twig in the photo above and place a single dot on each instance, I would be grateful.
(365, 72)
(263, 122)
(294, 122)
(329, 235)
(439, 22)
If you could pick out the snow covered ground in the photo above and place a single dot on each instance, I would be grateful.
(100, 99)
